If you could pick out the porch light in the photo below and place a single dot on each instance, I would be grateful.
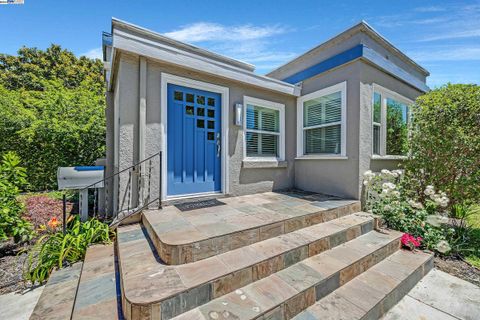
(238, 121)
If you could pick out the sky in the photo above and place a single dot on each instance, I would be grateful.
(442, 36)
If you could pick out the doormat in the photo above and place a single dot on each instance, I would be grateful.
(200, 204)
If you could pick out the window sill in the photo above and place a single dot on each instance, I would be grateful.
(378, 157)
(320, 157)
(263, 163)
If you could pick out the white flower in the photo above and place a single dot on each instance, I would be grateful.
(443, 246)
(389, 185)
(387, 207)
(367, 173)
(436, 220)
(394, 174)
(416, 205)
(429, 191)
(385, 171)
(396, 193)
(398, 172)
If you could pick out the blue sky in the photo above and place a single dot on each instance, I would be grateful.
(443, 36)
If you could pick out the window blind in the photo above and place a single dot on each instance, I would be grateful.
(262, 131)
(322, 124)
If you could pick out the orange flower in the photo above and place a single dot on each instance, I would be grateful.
(53, 223)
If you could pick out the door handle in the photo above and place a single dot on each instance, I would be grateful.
(219, 146)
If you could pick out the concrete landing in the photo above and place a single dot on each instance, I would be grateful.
(439, 296)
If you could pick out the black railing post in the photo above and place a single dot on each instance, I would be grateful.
(64, 215)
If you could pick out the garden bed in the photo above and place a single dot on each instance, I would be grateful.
(459, 268)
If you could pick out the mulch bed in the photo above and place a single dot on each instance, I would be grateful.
(11, 267)
(458, 268)
(39, 209)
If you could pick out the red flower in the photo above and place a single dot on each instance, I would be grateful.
(410, 241)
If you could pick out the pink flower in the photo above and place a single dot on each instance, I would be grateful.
(410, 241)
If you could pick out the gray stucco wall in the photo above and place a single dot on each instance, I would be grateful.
(241, 180)
(337, 176)
(371, 75)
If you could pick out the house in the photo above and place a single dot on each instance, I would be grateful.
(184, 122)
(315, 123)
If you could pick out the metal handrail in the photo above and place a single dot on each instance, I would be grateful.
(142, 200)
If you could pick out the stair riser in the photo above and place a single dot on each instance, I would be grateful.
(399, 292)
(305, 299)
(199, 295)
(180, 254)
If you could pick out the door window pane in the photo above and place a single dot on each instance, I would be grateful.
(189, 110)
(201, 112)
(178, 95)
(200, 123)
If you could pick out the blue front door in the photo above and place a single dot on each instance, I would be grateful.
(194, 128)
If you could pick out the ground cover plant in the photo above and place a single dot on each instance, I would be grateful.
(57, 250)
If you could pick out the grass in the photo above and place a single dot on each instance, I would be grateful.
(474, 222)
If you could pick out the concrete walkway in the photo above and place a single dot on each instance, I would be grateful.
(19, 306)
(438, 296)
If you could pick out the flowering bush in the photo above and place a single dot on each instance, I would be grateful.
(390, 195)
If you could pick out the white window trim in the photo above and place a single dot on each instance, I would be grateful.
(385, 94)
(281, 143)
(342, 87)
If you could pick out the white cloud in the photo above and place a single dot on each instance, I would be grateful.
(461, 34)
(246, 42)
(430, 9)
(206, 31)
(452, 53)
(95, 53)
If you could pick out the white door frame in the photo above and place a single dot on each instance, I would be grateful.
(166, 79)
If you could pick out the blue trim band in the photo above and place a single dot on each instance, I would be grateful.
(89, 168)
(330, 63)
(359, 51)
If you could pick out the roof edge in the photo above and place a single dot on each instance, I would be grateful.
(361, 26)
(182, 45)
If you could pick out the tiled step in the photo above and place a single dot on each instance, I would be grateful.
(373, 293)
(288, 292)
(58, 296)
(152, 288)
(97, 289)
(184, 237)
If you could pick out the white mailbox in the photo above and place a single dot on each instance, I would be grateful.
(79, 178)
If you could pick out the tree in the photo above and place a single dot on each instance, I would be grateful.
(445, 141)
(52, 105)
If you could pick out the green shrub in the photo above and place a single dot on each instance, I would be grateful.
(52, 105)
(389, 195)
(12, 179)
(56, 250)
(445, 142)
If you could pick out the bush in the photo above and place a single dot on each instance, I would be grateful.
(52, 106)
(393, 196)
(56, 250)
(40, 208)
(12, 179)
(445, 142)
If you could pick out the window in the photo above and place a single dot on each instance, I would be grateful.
(322, 116)
(390, 121)
(264, 123)
(377, 122)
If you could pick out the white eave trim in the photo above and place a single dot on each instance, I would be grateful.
(127, 41)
